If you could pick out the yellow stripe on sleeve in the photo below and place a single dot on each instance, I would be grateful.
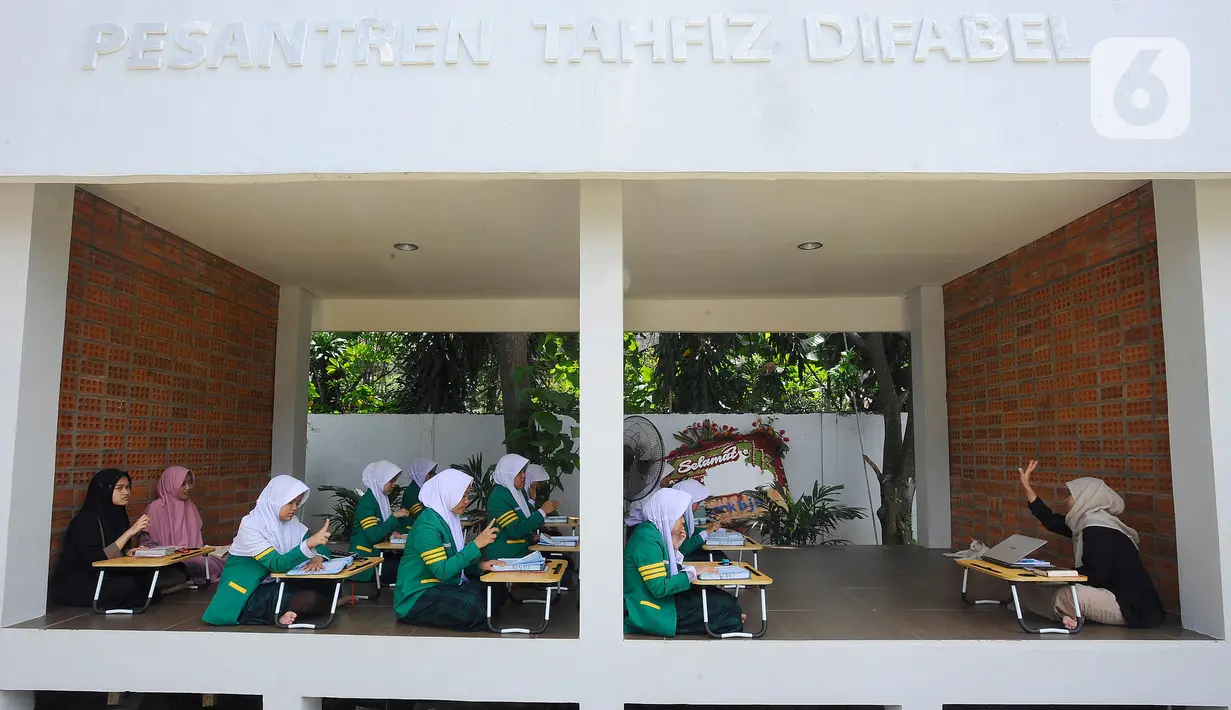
(433, 580)
(650, 568)
(432, 552)
(372, 518)
(652, 605)
(507, 518)
(647, 576)
(263, 554)
(237, 588)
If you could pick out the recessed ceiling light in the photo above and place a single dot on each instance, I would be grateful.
(406, 246)
(809, 246)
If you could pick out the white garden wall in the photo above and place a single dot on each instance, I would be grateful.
(824, 447)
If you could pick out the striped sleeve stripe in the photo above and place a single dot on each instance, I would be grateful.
(654, 575)
(373, 518)
(648, 568)
(263, 554)
(416, 507)
(367, 526)
(509, 517)
(434, 560)
(432, 552)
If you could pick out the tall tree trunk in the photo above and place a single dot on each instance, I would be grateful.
(897, 471)
(513, 352)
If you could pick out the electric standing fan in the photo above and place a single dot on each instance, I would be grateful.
(643, 458)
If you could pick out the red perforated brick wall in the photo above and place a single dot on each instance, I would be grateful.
(1055, 352)
(168, 359)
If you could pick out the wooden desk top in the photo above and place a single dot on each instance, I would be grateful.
(361, 564)
(472, 522)
(551, 575)
(152, 562)
(749, 544)
(556, 548)
(390, 546)
(572, 520)
(1014, 574)
(758, 578)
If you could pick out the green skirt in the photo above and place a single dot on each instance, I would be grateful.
(462, 607)
(724, 612)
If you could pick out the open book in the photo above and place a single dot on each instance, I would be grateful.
(334, 566)
(559, 540)
(532, 562)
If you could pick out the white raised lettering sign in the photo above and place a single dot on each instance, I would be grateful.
(591, 41)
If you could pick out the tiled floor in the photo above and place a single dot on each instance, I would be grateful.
(838, 593)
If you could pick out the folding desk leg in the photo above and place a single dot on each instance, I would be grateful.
(1017, 607)
(98, 588)
(494, 630)
(705, 617)
(150, 597)
(965, 578)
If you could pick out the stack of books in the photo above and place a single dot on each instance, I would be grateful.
(160, 551)
(532, 562)
(725, 538)
(559, 540)
(556, 520)
(724, 572)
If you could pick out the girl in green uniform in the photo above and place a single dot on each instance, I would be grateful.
(655, 578)
(507, 507)
(420, 471)
(438, 578)
(535, 474)
(695, 539)
(374, 517)
(271, 540)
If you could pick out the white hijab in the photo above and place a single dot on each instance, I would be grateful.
(698, 492)
(441, 493)
(419, 468)
(534, 474)
(635, 516)
(375, 476)
(663, 507)
(507, 469)
(1095, 505)
(263, 528)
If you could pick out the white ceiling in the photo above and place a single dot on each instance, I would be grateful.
(690, 238)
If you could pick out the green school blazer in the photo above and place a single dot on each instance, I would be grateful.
(513, 540)
(430, 560)
(693, 543)
(410, 501)
(369, 530)
(649, 594)
(242, 575)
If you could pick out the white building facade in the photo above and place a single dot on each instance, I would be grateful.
(603, 167)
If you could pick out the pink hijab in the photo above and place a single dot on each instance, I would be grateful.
(174, 521)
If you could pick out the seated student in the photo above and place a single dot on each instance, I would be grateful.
(271, 540)
(420, 471)
(507, 507)
(175, 520)
(691, 547)
(439, 574)
(101, 531)
(535, 474)
(374, 519)
(1119, 590)
(656, 581)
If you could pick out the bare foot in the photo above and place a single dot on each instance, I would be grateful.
(1069, 622)
(288, 618)
(347, 601)
(743, 618)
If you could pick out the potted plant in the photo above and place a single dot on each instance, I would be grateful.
(799, 522)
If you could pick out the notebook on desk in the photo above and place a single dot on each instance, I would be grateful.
(160, 551)
(532, 562)
(334, 566)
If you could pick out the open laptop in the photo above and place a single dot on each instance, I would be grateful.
(1013, 549)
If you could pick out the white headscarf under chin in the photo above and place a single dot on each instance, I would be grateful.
(507, 469)
(534, 474)
(375, 476)
(263, 528)
(419, 468)
(441, 493)
(663, 507)
(698, 492)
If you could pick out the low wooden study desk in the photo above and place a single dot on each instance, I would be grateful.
(573, 521)
(548, 577)
(1015, 576)
(154, 563)
(361, 564)
(749, 544)
(396, 548)
(756, 579)
(558, 549)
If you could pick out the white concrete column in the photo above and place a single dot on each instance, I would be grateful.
(289, 702)
(929, 387)
(290, 435)
(1194, 249)
(602, 407)
(35, 230)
